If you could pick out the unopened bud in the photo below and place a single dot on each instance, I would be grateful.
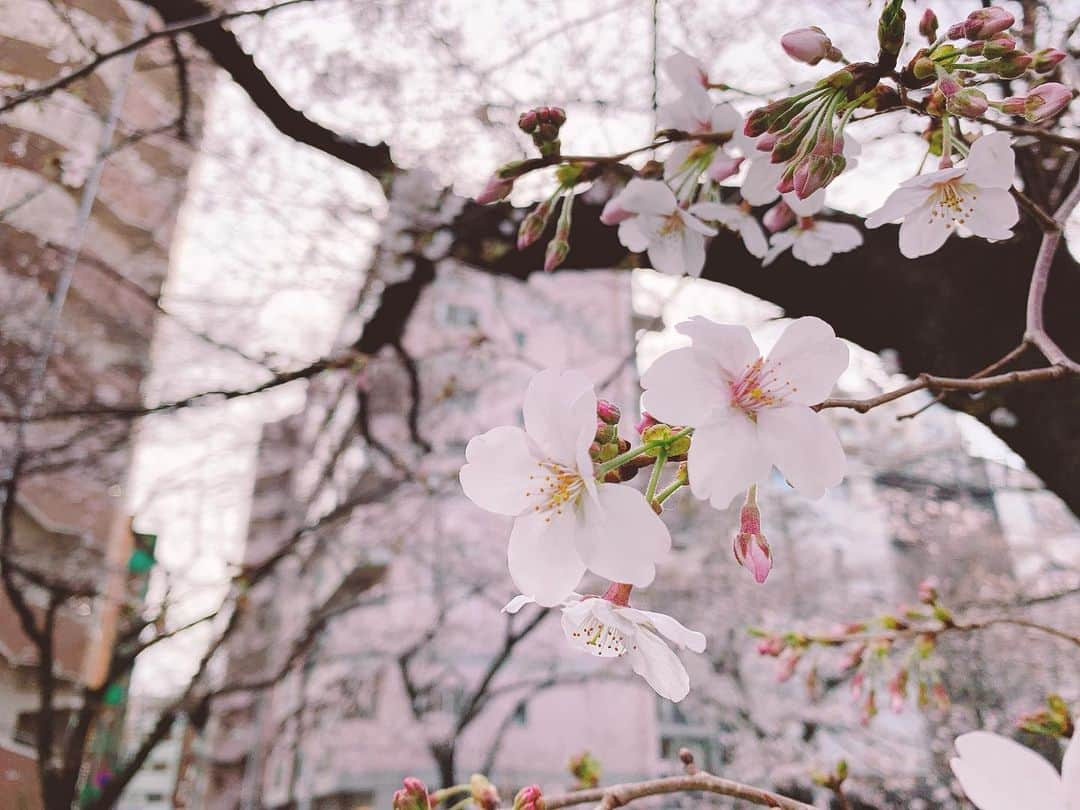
(778, 218)
(771, 647)
(955, 31)
(606, 433)
(923, 68)
(884, 98)
(527, 122)
(891, 26)
(556, 253)
(646, 422)
(898, 691)
(1046, 60)
(970, 102)
(496, 189)
(928, 25)
(534, 225)
(809, 45)
(998, 47)
(412, 795)
(985, 22)
(928, 592)
(814, 173)
(483, 792)
(1011, 65)
(608, 412)
(529, 798)
(1046, 101)
(751, 548)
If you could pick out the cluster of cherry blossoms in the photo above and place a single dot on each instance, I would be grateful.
(764, 176)
(719, 411)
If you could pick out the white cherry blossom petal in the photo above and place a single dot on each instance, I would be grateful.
(808, 358)
(559, 407)
(897, 205)
(922, 233)
(680, 388)
(632, 236)
(679, 253)
(669, 628)
(647, 197)
(730, 347)
(803, 446)
(661, 668)
(991, 162)
(841, 236)
(999, 774)
(620, 537)
(759, 185)
(993, 214)
(725, 458)
(517, 603)
(543, 558)
(812, 248)
(496, 475)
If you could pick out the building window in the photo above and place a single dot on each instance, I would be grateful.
(26, 727)
(521, 714)
(155, 797)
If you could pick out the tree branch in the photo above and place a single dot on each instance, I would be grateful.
(620, 795)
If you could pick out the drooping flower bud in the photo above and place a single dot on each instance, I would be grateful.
(1046, 60)
(646, 422)
(898, 686)
(1046, 101)
(608, 412)
(534, 224)
(751, 548)
(556, 253)
(527, 121)
(928, 25)
(529, 798)
(955, 31)
(484, 793)
(497, 188)
(412, 795)
(778, 218)
(970, 102)
(928, 592)
(809, 45)
(985, 22)
(813, 174)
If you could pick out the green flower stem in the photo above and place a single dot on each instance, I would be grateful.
(658, 467)
(446, 793)
(669, 490)
(634, 452)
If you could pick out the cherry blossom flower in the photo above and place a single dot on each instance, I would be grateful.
(565, 521)
(697, 114)
(811, 240)
(608, 630)
(738, 219)
(651, 219)
(751, 412)
(759, 186)
(999, 774)
(974, 198)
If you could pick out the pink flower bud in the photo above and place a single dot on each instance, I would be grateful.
(647, 421)
(529, 798)
(608, 412)
(898, 691)
(496, 189)
(556, 253)
(1046, 101)
(928, 593)
(998, 47)
(955, 31)
(484, 793)
(534, 224)
(750, 546)
(948, 85)
(787, 665)
(813, 174)
(1012, 65)
(969, 101)
(723, 166)
(771, 647)
(778, 218)
(985, 22)
(527, 121)
(605, 433)
(413, 795)
(809, 45)
(766, 142)
(614, 213)
(1046, 60)
(928, 25)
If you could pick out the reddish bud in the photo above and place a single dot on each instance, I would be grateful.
(646, 422)
(556, 253)
(1046, 60)
(484, 793)
(534, 224)
(771, 647)
(1011, 65)
(496, 189)
(969, 102)
(529, 798)
(928, 25)
(809, 45)
(985, 22)
(898, 691)
(413, 795)
(527, 121)
(1046, 101)
(608, 412)
(955, 31)
(751, 548)
(605, 433)
(998, 47)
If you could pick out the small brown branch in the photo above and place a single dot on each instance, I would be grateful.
(1035, 132)
(939, 628)
(997, 365)
(620, 795)
(168, 31)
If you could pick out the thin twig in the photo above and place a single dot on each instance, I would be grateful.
(620, 795)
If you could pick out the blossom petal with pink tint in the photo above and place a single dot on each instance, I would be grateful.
(680, 387)
(661, 668)
(619, 536)
(559, 408)
(803, 446)
(731, 347)
(543, 558)
(999, 774)
(671, 629)
(991, 162)
(809, 358)
(726, 457)
(496, 475)
(993, 214)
